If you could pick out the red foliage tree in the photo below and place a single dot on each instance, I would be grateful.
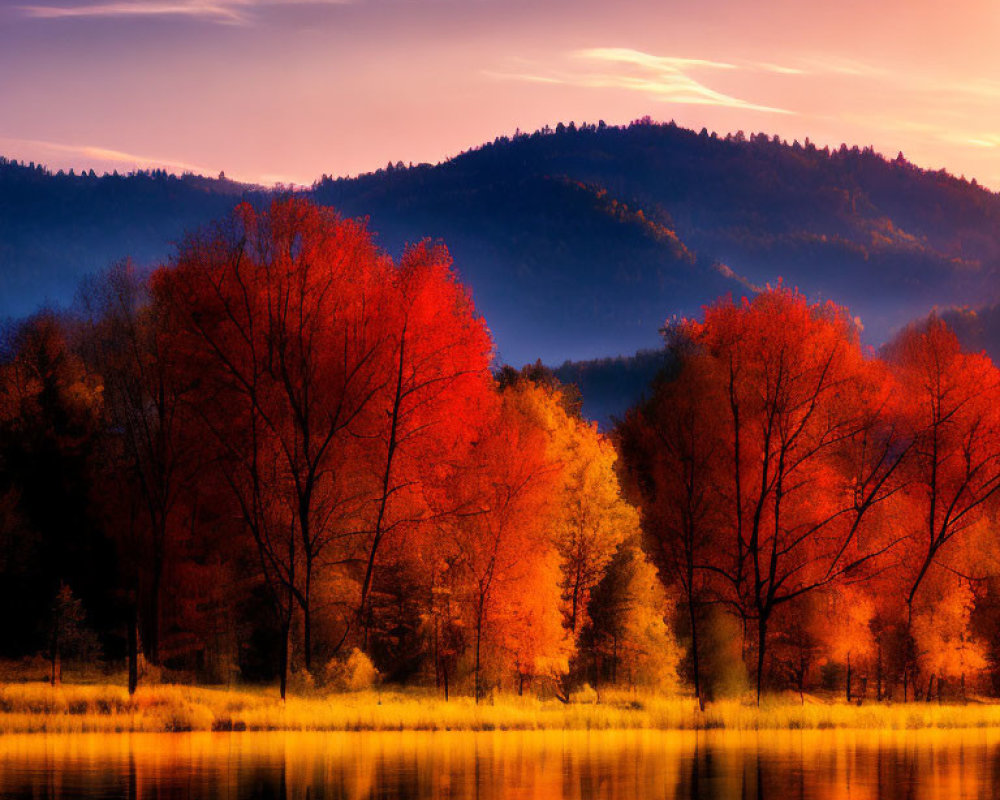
(436, 372)
(279, 318)
(788, 396)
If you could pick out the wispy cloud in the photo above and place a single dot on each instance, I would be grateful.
(973, 139)
(55, 155)
(668, 79)
(102, 155)
(228, 11)
(526, 77)
(779, 69)
(626, 55)
(981, 90)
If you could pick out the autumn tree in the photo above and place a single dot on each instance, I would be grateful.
(436, 373)
(671, 449)
(507, 569)
(68, 633)
(146, 449)
(842, 622)
(796, 648)
(796, 395)
(626, 634)
(952, 410)
(50, 421)
(591, 517)
(279, 316)
(945, 645)
(444, 620)
(331, 382)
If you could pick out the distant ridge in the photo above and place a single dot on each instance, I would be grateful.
(577, 241)
(609, 386)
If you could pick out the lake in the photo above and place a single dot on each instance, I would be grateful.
(633, 765)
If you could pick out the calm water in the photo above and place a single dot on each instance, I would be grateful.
(546, 766)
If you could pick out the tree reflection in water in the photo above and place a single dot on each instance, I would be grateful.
(625, 765)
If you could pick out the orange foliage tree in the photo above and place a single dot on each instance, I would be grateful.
(497, 545)
(590, 517)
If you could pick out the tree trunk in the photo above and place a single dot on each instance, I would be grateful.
(848, 677)
(152, 638)
(437, 656)
(286, 632)
(479, 636)
(133, 647)
(305, 600)
(307, 631)
(878, 674)
(761, 645)
(384, 500)
(575, 601)
(694, 652)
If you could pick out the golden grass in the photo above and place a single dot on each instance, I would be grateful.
(37, 707)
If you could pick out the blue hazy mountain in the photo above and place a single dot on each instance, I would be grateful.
(577, 242)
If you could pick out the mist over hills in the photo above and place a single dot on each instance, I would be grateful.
(577, 242)
(57, 228)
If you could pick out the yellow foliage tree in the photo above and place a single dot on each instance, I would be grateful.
(627, 633)
(591, 518)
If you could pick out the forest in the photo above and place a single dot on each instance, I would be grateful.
(285, 458)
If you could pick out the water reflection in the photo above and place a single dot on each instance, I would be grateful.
(826, 765)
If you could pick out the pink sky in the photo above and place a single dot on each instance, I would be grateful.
(274, 91)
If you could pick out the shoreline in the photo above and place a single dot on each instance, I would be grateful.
(97, 708)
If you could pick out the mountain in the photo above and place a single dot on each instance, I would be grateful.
(578, 242)
(977, 329)
(559, 267)
(57, 228)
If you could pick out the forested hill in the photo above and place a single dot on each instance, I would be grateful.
(57, 228)
(540, 225)
(578, 242)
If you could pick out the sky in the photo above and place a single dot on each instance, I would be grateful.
(276, 91)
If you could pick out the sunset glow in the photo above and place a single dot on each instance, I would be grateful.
(284, 92)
